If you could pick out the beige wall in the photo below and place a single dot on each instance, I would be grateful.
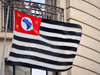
(86, 13)
(0, 15)
(0, 39)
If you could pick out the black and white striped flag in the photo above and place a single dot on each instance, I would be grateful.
(53, 49)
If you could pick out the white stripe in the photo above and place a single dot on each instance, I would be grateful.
(45, 40)
(33, 62)
(52, 26)
(43, 47)
(60, 35)
(50, 57)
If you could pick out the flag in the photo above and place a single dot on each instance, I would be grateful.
(43, 44)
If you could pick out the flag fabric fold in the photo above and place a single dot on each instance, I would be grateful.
(44, 44)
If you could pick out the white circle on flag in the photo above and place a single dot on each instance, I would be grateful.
(24, 25)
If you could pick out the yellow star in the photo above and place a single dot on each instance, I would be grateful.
(36, 31)
(17, 26)
(18, 15)
(36, 22)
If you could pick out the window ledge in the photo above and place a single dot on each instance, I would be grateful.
(9, 35)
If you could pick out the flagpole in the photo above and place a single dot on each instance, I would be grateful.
(4, 40)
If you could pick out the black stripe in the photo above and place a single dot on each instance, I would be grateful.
(39, 59)
(60, 39)
(35, 66)
(32, 49)
(60, 31)
(44, 43)
(61, 23)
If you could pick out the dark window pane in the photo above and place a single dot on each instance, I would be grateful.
(22, 70)
(8, 70)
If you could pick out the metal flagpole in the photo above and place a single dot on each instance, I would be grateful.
(4, 40)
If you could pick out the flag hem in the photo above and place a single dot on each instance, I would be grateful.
(37, 67)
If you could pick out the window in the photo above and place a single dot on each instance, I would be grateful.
(40, 1)
(51, 14)
(9, 69)
(51, 2)
(44, 8)
(38, 72)
(19, 70)
(16, 70)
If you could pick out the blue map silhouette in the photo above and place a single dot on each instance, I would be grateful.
(27, 23)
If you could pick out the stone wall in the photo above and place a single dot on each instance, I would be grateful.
(87, 14)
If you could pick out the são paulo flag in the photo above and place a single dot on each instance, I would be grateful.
(25, 23)
(44, 44)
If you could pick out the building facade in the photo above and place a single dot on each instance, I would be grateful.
(83, 12)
